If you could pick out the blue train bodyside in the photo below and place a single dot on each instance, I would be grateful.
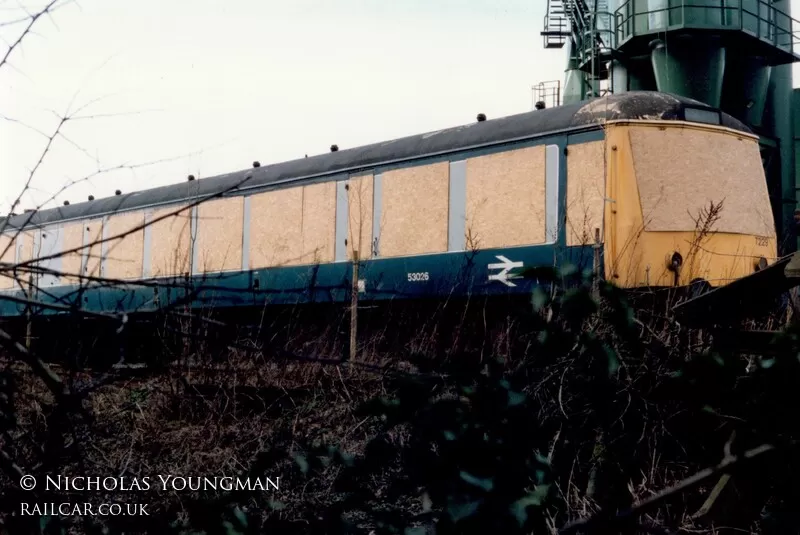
(487, 272)
(455, 273)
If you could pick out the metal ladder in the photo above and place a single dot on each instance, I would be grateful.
(591, 26)
(556, 25)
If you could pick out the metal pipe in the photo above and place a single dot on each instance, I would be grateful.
(780, 97)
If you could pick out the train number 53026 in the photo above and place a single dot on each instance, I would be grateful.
(418, 277)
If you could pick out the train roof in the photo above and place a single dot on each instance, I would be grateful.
(578, 116)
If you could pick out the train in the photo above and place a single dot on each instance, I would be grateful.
(647, 189)
(669, 160)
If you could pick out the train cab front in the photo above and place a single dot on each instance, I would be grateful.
(684, 202)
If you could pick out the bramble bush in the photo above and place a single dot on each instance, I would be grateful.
(599, 427)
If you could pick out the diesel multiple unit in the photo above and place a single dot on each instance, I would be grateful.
(669, 189)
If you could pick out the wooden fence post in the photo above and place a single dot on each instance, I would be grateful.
(596, 266)
(354, 308)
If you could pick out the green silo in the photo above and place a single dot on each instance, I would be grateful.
(687, 63)
(574, 78)
(751, 74)
(736, 55)
(779, 123)
(690, 65)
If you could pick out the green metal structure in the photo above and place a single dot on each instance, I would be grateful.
(735, 55)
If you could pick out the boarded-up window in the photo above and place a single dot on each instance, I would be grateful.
(585, 192)
(360, 207)
(275, 233)
(293, 226)
(414, 210)
(25, 251)
(506, 199)
(219, 235)
(71, 261)
(48, 252)
(171, 242)
(15, 248)
(319, 222)
(125, 246)
(679, 171)
(93, 235)
(8, 255)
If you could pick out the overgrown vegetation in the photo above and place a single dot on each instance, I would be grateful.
(591, 421)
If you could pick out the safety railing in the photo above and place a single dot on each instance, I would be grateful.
(556, 30)
(599, 32)
(759, 18)
(546, 95)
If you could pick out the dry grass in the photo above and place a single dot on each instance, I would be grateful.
(214, 409)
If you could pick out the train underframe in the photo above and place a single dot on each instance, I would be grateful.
(498, 282)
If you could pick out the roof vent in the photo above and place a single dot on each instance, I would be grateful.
(334, 148)
(191, 177)
(91, 197)
(256, 164)
(28, 210)
(118, 192)
(540, 105)
(481, 117)
(66, 203)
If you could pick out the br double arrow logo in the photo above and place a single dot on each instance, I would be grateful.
(505, 265)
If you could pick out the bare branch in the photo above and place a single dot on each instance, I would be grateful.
(41, 369)
(32, 21)
(42, 156)
(603, 523)
(26, 125)
(136, 228)
(108, 115)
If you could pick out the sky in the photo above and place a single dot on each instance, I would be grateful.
(160, 89)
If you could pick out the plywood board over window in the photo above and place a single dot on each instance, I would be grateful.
(414, 210)
(171, 242)
(293, 226)
(506, 199)
(8, 256)
(275, 228)
(71, 261)
(585, 192)
(49, 252)
(125, 246)
(319, 223)
(360, 206)
(93, 232)
(18, 247)
(219, 235)
(680, 171)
